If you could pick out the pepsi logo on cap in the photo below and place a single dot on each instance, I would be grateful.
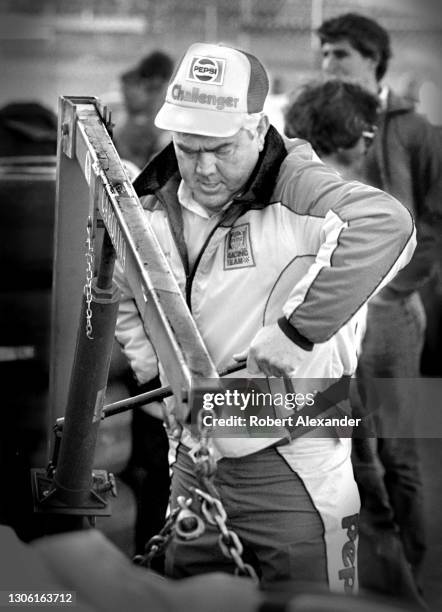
(206, 70)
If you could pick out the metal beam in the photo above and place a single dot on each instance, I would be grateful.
(92, 183)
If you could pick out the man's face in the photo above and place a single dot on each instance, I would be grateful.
(342, 60)
(217, 169)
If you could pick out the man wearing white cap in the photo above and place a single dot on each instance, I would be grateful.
(277, 257)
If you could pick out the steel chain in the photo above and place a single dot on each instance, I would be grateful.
(89, 277)
(211, 505)
(205, 463)
(228, 541)
(158, 543)
(212, 510)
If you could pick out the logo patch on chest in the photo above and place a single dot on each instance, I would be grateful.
(238, 248)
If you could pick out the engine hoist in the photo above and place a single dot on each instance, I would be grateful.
(96, 205)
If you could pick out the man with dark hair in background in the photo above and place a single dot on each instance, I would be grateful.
(405, 161)
(137, 139)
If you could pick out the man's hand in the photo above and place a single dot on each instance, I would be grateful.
(273, 354)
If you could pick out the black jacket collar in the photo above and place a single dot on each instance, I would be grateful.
(258, 190)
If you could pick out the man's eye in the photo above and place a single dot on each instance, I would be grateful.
(187, 152)
(224, 151)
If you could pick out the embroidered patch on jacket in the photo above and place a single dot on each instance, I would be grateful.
(238, 248)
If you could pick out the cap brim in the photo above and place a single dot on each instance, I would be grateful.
(201, 122)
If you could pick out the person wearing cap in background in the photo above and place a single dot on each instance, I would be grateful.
(405, 161)
(277, 256)
(137, 139)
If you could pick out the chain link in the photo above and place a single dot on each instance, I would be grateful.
(203, 457)
(211, 505)
(228, 541)
(188, 525)
(89, 277)
(158, 543)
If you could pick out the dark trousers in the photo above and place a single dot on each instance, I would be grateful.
(149, 469)
(269, 509)
(387, 468)
(147, 472)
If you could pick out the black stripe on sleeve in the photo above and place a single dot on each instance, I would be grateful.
(293, 334)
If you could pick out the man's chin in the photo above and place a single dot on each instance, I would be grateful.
(212, 202)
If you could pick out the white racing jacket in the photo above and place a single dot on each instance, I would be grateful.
(300, 245)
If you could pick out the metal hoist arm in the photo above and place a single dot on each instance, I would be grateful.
(93, 189)
(94, 196)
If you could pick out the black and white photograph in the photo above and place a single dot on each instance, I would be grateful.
(221, 308)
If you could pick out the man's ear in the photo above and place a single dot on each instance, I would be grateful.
(374, 62)
(261, 129)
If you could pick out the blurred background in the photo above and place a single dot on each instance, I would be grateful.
(79, 47)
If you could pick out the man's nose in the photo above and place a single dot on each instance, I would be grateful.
(205, 163)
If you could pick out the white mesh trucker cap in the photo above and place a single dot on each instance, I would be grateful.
(213, 91)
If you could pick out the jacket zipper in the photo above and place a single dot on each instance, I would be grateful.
(191, 275)
(185, 261)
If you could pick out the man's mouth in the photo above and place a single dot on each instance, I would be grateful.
(209, 187)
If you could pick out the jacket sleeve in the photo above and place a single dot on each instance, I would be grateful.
(131, 335)
(364, 237)
(423, 142)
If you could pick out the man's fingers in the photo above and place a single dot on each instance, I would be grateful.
(252, 366)
(263, 366)
(240, 356)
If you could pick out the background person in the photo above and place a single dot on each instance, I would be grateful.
(405, 161)
(337, 118)
(136, 138)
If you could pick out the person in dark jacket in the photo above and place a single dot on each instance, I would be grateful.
(143, 87)
(405, 161)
